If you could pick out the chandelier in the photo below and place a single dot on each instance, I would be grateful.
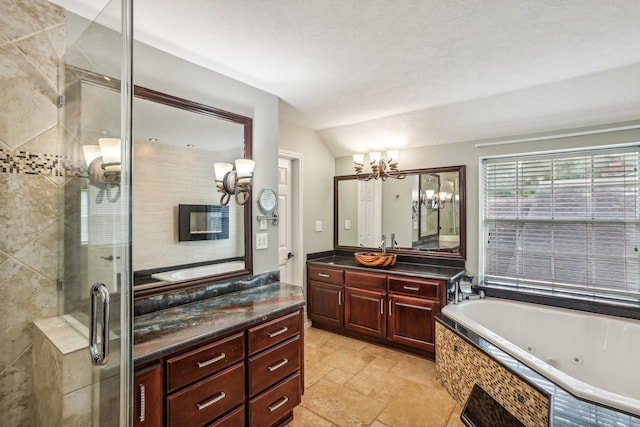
(380, 168)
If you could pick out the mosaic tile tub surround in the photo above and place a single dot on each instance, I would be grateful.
(459, 366)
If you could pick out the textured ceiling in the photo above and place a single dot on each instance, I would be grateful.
(380, 73)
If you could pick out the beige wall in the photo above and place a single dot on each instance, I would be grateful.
(318, 164)
(466, 153)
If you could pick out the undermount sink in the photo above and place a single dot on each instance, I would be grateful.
(375, 259)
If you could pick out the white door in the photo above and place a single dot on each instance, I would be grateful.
(285, 225)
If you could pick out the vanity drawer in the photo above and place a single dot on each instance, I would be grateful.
(271, 366)
(273, 332)
(275, 403)
(189, 367)
(207, 399)
(365, 280)
(232, 419)
(327, 275)
(416, 287)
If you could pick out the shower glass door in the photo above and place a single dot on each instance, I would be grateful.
(95, 250)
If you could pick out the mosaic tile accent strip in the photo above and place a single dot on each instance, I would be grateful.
(24, 162)
(459, 365)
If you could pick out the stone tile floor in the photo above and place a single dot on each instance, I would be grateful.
(354, 383)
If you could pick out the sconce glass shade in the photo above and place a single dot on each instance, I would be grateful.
(358, 159)
(393, 155)
(91, 152)
(244, 167)
(110, 149)
(442, 196)
(221, 169)
(374, 157)
(429, 194)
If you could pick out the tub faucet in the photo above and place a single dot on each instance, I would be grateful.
(383, 244)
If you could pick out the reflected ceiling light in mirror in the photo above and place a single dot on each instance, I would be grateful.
(433, 200)
(236, 182)
(380, 168)
(104, 166)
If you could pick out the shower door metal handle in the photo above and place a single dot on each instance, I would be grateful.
(99, 356)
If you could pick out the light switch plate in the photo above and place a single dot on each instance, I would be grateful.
(318, 225)
(347, 224)
(263, 224)
(262, 241)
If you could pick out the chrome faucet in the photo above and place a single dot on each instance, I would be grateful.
(383, 244)
(393, 241)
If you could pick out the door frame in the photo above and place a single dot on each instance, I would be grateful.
(297, 219)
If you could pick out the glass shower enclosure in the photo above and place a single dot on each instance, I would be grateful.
(65, 215)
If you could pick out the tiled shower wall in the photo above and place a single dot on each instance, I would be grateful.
(32, 41)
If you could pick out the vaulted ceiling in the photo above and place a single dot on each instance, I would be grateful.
(380, 73)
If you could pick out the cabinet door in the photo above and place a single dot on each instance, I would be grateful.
(364, 311)
(325, 303)
(411, 321)
(147, 396)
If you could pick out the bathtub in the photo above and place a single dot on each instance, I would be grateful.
(196, 272)
(594, 357)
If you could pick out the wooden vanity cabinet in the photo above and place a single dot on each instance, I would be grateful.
(413, 304)
(365, 303)
(147, 396)
(325, 290)
(393, 309)
(252, 377)
(274, 369)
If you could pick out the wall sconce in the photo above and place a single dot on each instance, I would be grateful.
(435, 201)
(378, 165)
(104, 166)
(234, 181)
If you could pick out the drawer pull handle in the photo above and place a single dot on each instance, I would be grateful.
(143, 405)
(411, 288)
(419, 307)
(382, 306)
(210, 361)
(218, 398)
(278, 366)
(279, 404)
(278, 332)
(339, 297)
(324, 275)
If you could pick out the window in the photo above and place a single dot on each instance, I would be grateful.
(566, 222)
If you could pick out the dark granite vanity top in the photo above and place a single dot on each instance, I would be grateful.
(163, 332)
(438, 272)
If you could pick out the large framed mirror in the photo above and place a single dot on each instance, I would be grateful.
(423, 214)
(176, 142)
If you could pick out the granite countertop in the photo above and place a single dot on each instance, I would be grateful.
(163, 332)
(405, 268)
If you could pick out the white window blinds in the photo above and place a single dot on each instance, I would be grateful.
(565, 221)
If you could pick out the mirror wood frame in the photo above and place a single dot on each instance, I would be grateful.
(460, 255)
(88, 77)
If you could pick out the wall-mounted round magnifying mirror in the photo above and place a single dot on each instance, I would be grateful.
(268, 203)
